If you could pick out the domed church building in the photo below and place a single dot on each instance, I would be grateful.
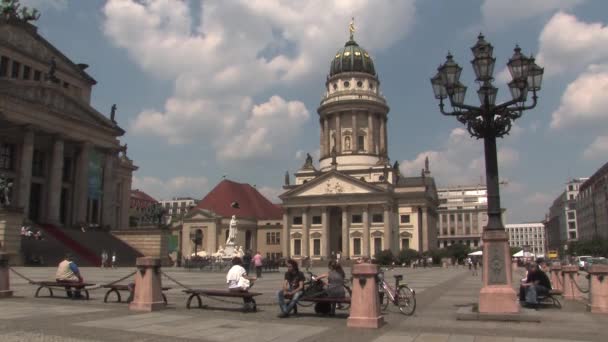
(354, 202)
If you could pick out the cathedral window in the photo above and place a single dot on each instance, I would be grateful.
(4, 66)
(316, 247)
(356, 218)
(316, 219)
(377, 245)
(359, 84)
(361, 143)
(357, 246)
(406, 218)
(347, 143)
(297, 220)
(405, 244)
(273, 238)
(297, 247)
(346, 84)
(16, 69)
(7, 154)
(26, 72)
(377, 218)
(335, 86)
(38, 163)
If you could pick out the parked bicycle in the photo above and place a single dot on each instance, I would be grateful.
(314, 287)
(400, 295)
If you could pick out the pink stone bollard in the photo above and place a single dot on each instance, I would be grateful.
(514, 265)
(148, 287)
(556, 276)
(570, 275)
(497, 295)
(598, 289)
(5, 287)
(365, 302)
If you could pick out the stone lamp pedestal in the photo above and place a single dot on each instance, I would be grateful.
(365, 302)
(598, 289)
(497, 295)
(556, 276)
(5, 288)
(148, 287)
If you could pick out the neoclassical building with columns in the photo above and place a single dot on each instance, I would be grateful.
(63, 157)
(355, 202)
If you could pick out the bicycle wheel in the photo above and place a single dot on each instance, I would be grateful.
(384, 299)
(406, 300)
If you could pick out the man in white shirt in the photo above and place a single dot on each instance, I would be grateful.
(238, 281)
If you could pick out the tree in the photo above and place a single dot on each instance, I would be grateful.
(407, 255)
(458, 251)
(384, 257)
(514, 250)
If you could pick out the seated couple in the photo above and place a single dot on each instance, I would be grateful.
(534, 285)
(238, 281)
(293, 285)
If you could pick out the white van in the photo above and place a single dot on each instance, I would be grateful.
(581, 261)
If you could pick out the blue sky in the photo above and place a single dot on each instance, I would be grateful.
(213, 88)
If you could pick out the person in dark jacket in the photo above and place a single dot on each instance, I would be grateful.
(536, 284)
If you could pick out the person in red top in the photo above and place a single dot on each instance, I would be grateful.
(257, 262)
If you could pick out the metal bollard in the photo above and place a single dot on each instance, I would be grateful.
(5, 286)
(556, 276)
(148, 294)
(570, 275)
(598, 289)
(365, 302)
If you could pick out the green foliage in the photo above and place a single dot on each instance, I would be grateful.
(458, 251)
(437, 255)
(407, 255)
(514, 250)
(595, 247)
(384, 257)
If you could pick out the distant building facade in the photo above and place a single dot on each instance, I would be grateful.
(141, 207)
(178, 205)
(530, 236)
(562, 225)
(592, 206)
(63, 156)
(462, 215)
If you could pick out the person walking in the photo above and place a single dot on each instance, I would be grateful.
(247, 261)
(104, 258)
(113, 259)
(258, 262)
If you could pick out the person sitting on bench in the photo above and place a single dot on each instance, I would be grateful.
(335, 283)
(293, 287)
(238, 281)
(537, 284)
(68, 272)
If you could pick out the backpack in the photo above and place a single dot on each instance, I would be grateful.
(323, 308)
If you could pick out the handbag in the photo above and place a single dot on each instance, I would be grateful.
(244, 283)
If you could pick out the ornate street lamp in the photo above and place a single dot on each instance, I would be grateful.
(488, 122)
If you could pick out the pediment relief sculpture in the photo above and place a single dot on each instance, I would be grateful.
(296, 235)
(316, 235)
(405, 234)
(377, 234)
(356, 234)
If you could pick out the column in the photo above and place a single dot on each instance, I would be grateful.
(25, 171)
(385, 140)
(425, 229)
(305, 232)
(322, 139)
(108, 195)
(325, 241)
(55, 180)
(124, 201)
(365, 251)
(286, 239)
(382, 135)
(355, 140)
(370, 134)
(338, 134)
(388, 238)
(326, 136)
(80, 197)
(345, 234)
(211, 237)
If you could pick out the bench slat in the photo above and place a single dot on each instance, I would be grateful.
(222, 293)
(125, 287)
(325, 299)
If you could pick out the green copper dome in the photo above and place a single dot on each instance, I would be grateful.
(352, 58)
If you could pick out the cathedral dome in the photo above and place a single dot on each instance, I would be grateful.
(352, 58)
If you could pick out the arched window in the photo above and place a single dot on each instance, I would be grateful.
(361, 142)
(347, 143)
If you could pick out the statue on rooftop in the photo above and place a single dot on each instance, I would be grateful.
(308, 162)
(113, 113)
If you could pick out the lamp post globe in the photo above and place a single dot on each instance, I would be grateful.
(489, 121)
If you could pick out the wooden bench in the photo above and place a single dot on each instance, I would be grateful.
(117, 288)
(50, 285)
(197, 293)
(550, 298)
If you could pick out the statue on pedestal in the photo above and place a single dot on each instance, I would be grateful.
(232, 231)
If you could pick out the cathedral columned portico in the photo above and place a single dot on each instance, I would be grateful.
(355, 203)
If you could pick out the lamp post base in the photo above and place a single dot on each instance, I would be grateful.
(497, 294)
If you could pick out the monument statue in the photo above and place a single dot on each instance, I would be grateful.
(426, 165)
(113, 113)
(232, 231)
(50, 76)
(396, 166)
(334, 156)
(308, 162)
(9, 9)
(286, 177)
(351, 28)
(5, 188)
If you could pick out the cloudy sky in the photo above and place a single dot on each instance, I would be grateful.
(213, 88)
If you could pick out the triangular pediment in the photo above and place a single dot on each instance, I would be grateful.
(200, 214)
(333, 183)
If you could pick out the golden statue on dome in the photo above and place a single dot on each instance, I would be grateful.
(351, 28)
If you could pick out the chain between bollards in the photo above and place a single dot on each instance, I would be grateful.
(577, 286)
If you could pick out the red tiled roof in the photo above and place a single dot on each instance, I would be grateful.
(140, 195)
(252, 203)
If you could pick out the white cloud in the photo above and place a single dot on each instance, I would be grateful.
(584, 102)
(567, 44)
(538, 199)
(239, 50)
(459, 161)
(270, 125)
(598, 149)
(195, 187)
(500, 13)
